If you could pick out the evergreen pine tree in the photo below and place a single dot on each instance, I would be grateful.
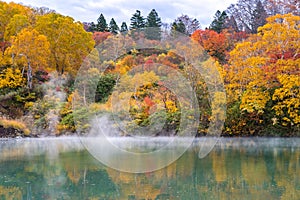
(113, 27)
(218, 24)
(102, 25)
(179, 27)
(124, 27)
(137, 21)
(92, 27)
(153, 20)
(153, 24)
(186, 23)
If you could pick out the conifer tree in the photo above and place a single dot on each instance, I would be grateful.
(137, 21)
(124, 27)
(153, 24)
(102, 25)
(218, 24)
(179, 27)
(113, 27)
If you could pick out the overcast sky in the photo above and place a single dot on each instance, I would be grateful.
(122, 10)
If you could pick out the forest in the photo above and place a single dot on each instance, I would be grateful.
(254, 44)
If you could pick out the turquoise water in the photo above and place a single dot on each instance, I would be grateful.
(60, 168)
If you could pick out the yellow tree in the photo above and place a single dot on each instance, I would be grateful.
(11, 78)
(256, 64)
(7, 11)
(287, 99)
(69, 42)
(10, 25)
(16, 24)
(281, 42)
(31, 50)
(246, 62)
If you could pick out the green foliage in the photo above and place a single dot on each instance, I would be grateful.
(153, 23)
(124, 27)
(179, 27)
(137, 21)
(67, 123)
(105, 87)
(15, 102)
(113, 27)
(186, 24)
(153, 20)
(102, 25)
(40, 110)
(218, 24)
(261, 73)
(25, 96)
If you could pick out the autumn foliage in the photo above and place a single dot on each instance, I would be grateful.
(263, 74)
(216, 44)
(260, 69)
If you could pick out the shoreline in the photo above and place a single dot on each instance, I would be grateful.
(160, 136)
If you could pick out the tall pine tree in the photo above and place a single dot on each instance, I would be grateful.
(137, 21)
(179, 27)
(153, 24)
(218, 24)
(153, 20)
(113, 27)
(124, 27)
(102, 25)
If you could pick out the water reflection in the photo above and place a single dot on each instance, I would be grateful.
(235, 169)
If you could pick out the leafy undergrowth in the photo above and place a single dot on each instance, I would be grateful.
(14, 127)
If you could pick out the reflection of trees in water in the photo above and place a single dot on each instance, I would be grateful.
(229, 171)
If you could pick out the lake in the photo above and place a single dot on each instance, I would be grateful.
(236, 168)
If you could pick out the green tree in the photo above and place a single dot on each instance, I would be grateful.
(113, 27)
(218, 24)
(154, 23)
(102, 25)
(190, 24)
(179, 27)
(92, 27)
(124, 27)
(137, 20)
(153, 20)
(105, 87)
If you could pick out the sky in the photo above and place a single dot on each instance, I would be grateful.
(122, 10)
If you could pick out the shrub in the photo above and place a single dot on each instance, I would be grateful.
(16, 125)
